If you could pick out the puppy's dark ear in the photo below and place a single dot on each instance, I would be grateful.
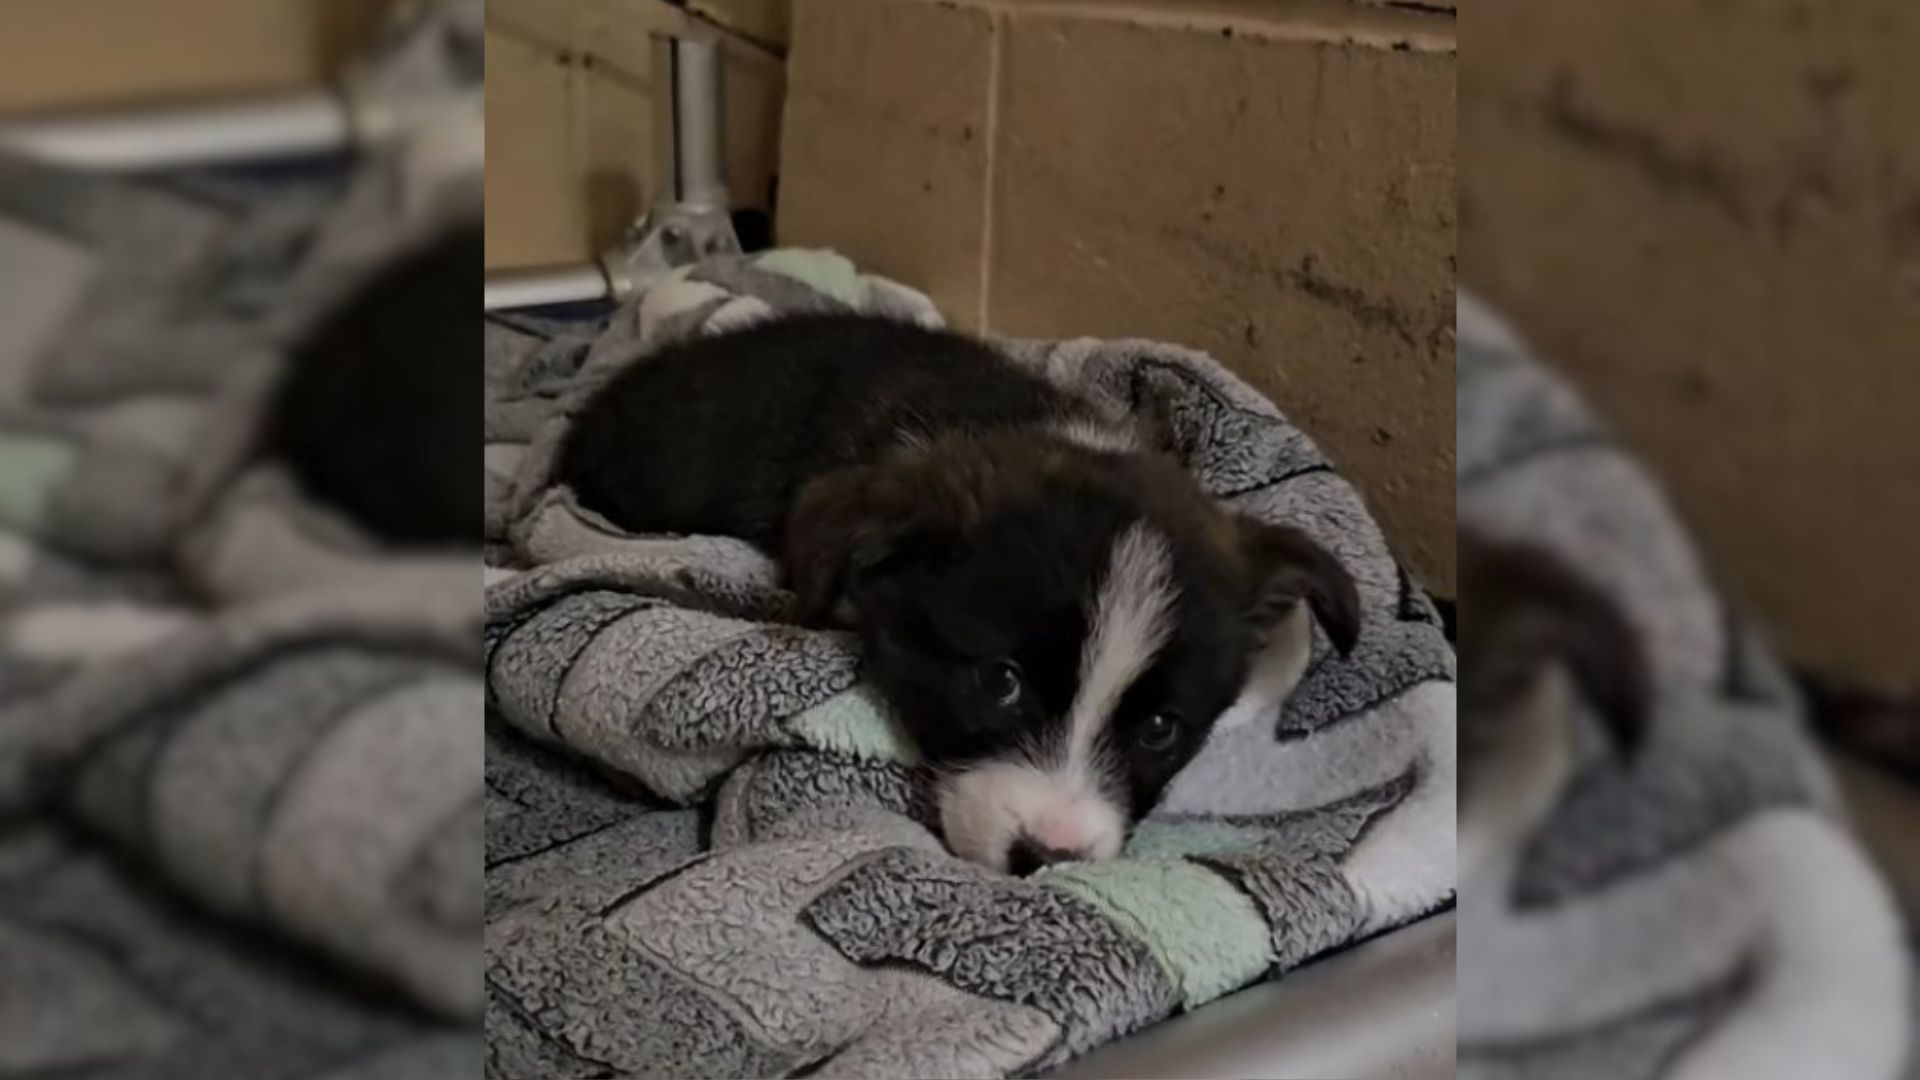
(1525, 608)
(1287, 567)
(846, 528)
(837, 529)
(1522, 609)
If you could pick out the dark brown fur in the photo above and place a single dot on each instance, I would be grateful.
(379, 413)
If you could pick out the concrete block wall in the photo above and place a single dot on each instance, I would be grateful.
(1270, 182)
(1711, 214)
(762, 21)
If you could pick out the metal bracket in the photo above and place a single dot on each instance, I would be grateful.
(667, 238)
(688, 220)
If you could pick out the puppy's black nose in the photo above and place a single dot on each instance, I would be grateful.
(1027, 856)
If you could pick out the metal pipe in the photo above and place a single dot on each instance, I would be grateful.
(688, 219)
(695, 175)
(538, 286)
(302, 124)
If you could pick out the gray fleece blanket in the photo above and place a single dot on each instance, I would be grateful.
(240, 777)
(707, 851)
(1703, 913)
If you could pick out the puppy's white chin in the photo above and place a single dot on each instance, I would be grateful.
(985, 808)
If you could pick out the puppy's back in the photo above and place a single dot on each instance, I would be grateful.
(379, 413)
(716, 435)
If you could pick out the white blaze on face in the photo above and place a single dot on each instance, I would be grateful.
(1055, 794)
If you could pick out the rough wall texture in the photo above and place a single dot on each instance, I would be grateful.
(763, 21)
(570, 118)
(1710, 212)
(1273, 183)
(81, 52)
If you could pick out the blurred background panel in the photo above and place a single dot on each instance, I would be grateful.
(1706, 217)
(1709, 216)
(240, 813)
(84, 52)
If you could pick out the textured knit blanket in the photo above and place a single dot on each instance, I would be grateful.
(1703, 913)
(806, 916)
(240, 778)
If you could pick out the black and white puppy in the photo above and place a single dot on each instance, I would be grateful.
(1054, 608)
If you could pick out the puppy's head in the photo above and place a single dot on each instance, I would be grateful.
(1058, 627)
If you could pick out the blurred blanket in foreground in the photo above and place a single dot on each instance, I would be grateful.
(1703, 913)
(816, 923)
(240, 782)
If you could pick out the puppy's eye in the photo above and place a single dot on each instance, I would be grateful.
(1002, 683)
(1158, 732)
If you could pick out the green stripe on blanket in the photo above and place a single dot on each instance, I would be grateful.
(31, 470)
(1207, 934)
